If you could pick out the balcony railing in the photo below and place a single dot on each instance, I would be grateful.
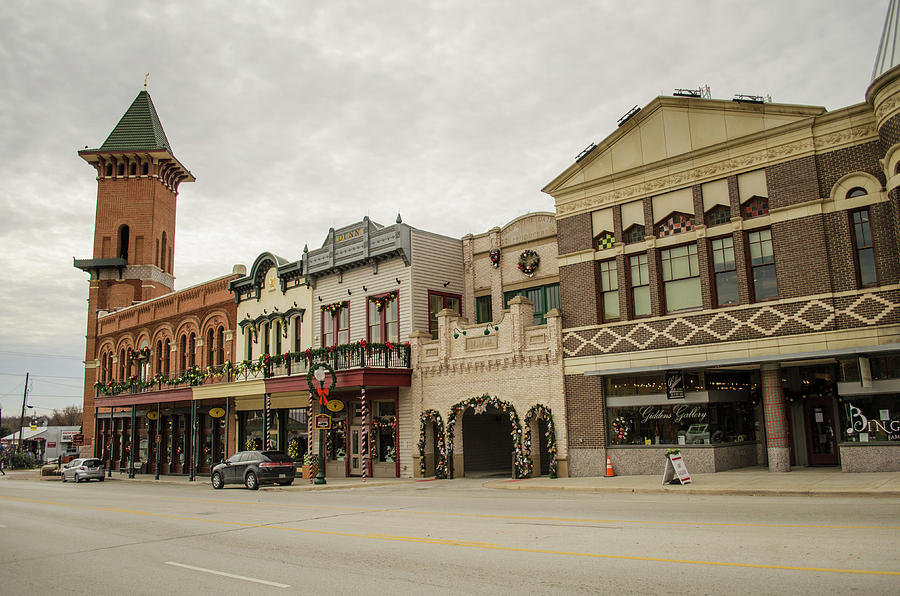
(342, 357)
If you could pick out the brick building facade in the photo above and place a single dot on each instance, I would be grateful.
(730, 286)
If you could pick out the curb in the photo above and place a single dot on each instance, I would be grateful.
(749, 492)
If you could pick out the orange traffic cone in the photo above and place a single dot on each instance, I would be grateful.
(609, 470)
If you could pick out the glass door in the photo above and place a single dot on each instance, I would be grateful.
(820, 436)
(356, 462)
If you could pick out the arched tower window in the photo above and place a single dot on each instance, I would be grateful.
(210, 347)
(162, 252)
(109, 169)
(145, 168)
(121, 169)
(122, 365)
(159, 357)
(132, 169)
(220, 346)
(856, 191)
(124, 234)
(192, 347)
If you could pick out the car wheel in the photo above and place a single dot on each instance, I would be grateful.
(217, 481)
(63, 475)
(251, 481)
(77, 478)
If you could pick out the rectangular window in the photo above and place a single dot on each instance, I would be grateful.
(865, 251)
(483, 309)
(544, 298)
(609, 290)
(276, 328)
(724, 270)
(384, 324)
(762, 263)
(640, 285)
(327, 329)
(438, 301)
(296, 334)
(681, 277)
(248, 334)
(343, 325)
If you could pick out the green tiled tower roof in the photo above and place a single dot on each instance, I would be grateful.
(139, 129)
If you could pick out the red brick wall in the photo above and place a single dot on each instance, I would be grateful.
(585, 412)
(574, 233)
(799, 246)
(579, 292)
(792, 182)
(835, 164)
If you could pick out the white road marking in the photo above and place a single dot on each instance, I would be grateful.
(231, 575)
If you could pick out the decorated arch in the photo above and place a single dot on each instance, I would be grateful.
(535, 413)
(440, 466)
(481, 402)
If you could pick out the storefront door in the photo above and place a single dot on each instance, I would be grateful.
(356, 460)
(820, 435)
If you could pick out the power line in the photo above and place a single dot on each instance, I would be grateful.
(8, 374)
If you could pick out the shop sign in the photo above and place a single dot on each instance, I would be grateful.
(335, 405)
(675, 465)
(51, 445)
(350, 235)
(152, 415)
(217, 412)
(65, 436)
(861, 424)
(675, 384)
(323, 422)
(78, 440)
(676, 413)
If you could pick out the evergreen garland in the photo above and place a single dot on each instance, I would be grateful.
(440, 466)
(540, 412)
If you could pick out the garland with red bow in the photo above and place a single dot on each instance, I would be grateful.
(322, 392)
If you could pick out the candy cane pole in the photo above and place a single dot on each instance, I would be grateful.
(365, 434)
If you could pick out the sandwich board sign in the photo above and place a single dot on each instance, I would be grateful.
(675, 466)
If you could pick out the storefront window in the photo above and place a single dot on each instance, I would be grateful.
(867, 418)
(252, 427)
(384, 448)
(682, 424)
(336, 440)
(297, 433)
(647, 384)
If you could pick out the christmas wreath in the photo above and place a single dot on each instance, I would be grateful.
(322, 392)
(495, 257)
(529, 261)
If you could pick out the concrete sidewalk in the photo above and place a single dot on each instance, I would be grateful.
(756, 481)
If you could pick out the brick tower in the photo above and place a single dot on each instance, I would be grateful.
(134, 232)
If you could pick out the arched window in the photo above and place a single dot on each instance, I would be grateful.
(122, 365)
(210, 347)
(248, 335)
(755, 207)
(167, 358)
(675, 224)
(296, 334)
(604, 240)
(124, 233)
(182, 353)
(220, 346)
(856, 191)
(109, 169)
(162, 253)
(192, 348)
(159, 357)
(121, 169)
(102, 376)
(132, 169)
(635, 234)
(145, 168)
(718, 215)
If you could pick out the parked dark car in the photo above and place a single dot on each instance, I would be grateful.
(253, 468)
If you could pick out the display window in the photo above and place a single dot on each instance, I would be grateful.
(868, 418)
(682, 424)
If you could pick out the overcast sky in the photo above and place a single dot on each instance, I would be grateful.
(298, 116)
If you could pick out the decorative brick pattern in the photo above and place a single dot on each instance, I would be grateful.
(756, 207)
(744, 323)
(889, 133)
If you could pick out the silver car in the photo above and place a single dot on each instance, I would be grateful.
(84, 468)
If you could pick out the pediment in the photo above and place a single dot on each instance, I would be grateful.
(669, 127)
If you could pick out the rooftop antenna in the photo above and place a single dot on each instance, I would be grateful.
(146, 76)
(704, 92)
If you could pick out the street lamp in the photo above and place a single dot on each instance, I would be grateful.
(319, 374)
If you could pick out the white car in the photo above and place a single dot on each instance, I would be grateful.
(83, 468)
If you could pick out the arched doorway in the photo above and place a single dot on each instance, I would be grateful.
(432, 448)
(539, 441)
(491, 436)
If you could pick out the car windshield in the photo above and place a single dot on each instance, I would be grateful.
(277, 456)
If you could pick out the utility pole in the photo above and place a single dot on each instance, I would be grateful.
(22, 417)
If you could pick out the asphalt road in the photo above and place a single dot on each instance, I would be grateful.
(445, 537)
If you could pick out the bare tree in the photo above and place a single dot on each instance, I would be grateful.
(68, 416)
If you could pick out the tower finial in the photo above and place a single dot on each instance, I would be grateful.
(146, 76)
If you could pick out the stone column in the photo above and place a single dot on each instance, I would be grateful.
(777, 446)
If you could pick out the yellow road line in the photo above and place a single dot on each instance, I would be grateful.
(537, 518)
(459, 543)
